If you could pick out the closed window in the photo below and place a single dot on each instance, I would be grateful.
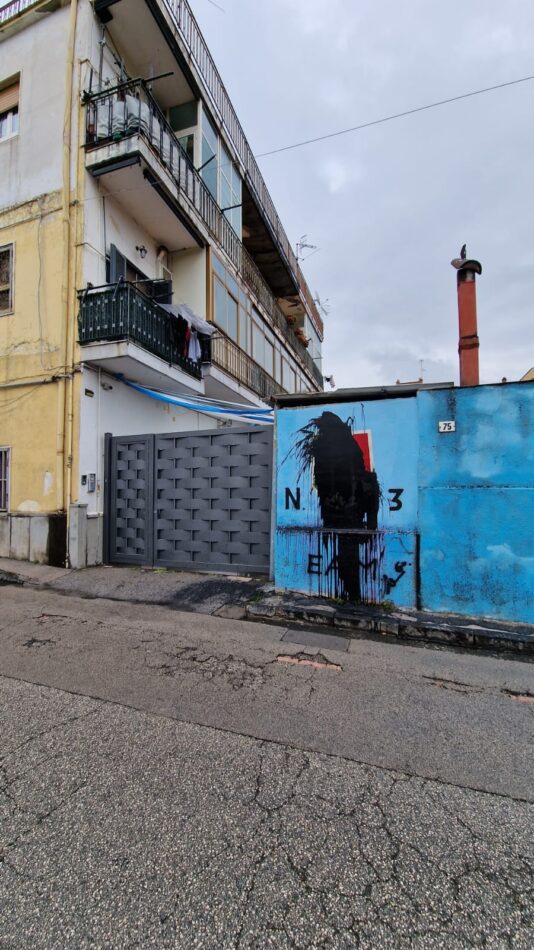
(6, 279)
(209, 155)
(4, 479)
(288, 377)
(221, 174)
(230, 190)
(9, 109)
(226, 310)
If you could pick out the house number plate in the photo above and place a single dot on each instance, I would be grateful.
(447, 425)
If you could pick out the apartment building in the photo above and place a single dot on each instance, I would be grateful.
(147, 285)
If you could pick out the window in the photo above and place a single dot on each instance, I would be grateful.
(118, 266)
(9, 109)
(258, 344)
(183, 120)
(4, 479)
(220, 174)
(314, 347)
(234, 312)
(288, 377)
(6, 279)
(209, 155)
(230, 190)
(226, 310)
(188, 144)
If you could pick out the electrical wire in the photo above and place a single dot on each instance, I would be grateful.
(396, 115)
(354, 128)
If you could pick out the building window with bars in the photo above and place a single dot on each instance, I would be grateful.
(4, 479)
(9, 108)
(6, 279)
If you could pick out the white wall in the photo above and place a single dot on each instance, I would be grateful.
(106, 223)
(121, 411)
(31, 161)
(188, 270)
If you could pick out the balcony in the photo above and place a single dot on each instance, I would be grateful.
(18, 14)
(197, 50)
(230, 358)
(125, 121)
(121, 314)
(15, 8)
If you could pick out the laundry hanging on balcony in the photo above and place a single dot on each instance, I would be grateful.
(212, 407)
(188, 331)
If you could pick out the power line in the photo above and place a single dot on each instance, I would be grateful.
(397, 115)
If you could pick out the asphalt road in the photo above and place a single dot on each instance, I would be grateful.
(166, 781)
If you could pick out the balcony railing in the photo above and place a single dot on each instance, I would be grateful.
(14, 8)
(195, 43)
(129, 109)
(121, 312)
(233, 360)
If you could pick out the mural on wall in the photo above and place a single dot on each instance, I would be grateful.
(334, 534)
(349, 497)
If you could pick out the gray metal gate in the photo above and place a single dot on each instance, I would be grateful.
(197, 500)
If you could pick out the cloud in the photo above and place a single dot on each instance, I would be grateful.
(339, 175)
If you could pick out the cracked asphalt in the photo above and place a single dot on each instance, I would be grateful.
(165, 781)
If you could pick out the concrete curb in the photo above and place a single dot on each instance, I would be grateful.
(350, 621)
(446, 631)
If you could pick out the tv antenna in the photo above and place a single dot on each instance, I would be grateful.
(323, 305)
(302, 245)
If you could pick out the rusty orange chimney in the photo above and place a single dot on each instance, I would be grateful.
(467, 318)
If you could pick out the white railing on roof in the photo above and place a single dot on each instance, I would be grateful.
(13, 9)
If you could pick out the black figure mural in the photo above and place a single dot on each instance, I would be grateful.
(350, 549)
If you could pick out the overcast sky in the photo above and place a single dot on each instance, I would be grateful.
(390, 206)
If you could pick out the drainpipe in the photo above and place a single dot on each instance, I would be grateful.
(468, 344)
(67, 330)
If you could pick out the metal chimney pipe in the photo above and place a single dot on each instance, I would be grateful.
(467, 318)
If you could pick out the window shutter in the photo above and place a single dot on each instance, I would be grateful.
(9, 97)
(117, 264)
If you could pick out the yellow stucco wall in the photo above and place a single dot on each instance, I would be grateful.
(31, 349)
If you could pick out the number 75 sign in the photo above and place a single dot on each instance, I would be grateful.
(447, 425)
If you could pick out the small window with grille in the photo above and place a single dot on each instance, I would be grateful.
(4, 479)
(6, 279)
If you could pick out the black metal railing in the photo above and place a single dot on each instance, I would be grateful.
(233, 360)
(129, 109)
(121, 312)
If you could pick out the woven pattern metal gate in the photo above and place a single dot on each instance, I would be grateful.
(193, 500)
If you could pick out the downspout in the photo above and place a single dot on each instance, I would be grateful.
(68, 335)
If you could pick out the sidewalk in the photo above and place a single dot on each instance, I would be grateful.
(252, 598)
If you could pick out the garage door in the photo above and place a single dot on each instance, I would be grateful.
(192, 500)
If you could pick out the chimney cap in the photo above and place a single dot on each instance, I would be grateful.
(461, 264)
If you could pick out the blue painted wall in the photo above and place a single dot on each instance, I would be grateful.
(303, 551)
(476, 501)
(469, 495)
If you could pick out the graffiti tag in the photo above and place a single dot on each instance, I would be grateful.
(391, 582)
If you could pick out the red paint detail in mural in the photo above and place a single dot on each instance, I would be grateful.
(363, 440)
